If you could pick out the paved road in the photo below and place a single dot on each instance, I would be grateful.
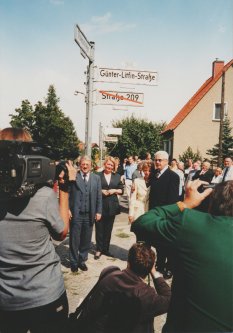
(79, 284)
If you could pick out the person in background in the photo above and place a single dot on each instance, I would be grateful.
(188, 167)
(228, 169)
(122, 301)
(86, 208)
(173, 165)
(119, 169)
(180, 173)
(32, 291)
(111, 187)
(148, 158)
(202, 242)
(139, 202)
(206, 174)
(217, 178)
(129, 170)
(192, 172)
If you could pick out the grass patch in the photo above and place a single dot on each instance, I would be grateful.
(122, 235)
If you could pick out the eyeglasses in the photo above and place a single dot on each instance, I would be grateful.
(159, 159)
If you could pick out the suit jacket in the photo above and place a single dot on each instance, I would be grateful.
(165, 189)
(111, 204)
(123, 303)
(95, 198)
(203, 277)
(207, 176)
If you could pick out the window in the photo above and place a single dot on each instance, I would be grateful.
(217, 109)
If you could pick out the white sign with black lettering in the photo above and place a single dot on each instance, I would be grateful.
(83, 43)
(119, 98)
(128, 76)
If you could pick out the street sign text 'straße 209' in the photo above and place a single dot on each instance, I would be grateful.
(82, 42)
(119, 98)
(128, 76)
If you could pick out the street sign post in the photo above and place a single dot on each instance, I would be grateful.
(87, 49)
(128, 76)
(119, 98)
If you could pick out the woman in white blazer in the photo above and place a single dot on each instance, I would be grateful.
(140, 196)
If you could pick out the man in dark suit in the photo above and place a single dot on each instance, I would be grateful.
(86, 207)
(205, 174)
(203, 278)
(164, 190)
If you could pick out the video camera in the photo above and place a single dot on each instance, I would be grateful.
(23, 169)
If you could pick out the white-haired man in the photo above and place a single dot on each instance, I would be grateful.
(164, 191)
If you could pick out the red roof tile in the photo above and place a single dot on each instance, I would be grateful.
(188, 107)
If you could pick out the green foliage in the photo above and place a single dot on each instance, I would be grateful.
(189, 154)
(48, 125)
(227, 143)
(25, 117)
(138, 137)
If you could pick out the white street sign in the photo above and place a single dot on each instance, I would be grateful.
(112, 131)
(127, 76)
(83, 43)
(119, 98)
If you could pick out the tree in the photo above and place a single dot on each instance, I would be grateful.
(25, 117)
(138, 137)
(227, 143)
(48, 125)
(189, 154)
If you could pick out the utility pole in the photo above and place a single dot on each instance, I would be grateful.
(87, 49)
(101, 143)
(221, 120)
(89, 104)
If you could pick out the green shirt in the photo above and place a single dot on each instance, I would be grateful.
(202, 290)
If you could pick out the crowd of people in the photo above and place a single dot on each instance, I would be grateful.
(182, 210)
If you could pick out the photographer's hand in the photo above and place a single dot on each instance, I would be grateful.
(72, 172)
(193, 198)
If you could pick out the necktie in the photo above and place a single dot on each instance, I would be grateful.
(85, 178)
(157, 174)
(225, 173)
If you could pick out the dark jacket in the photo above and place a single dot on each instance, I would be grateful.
(111, 204)
(164, 190)
(123, 303)
(95, 198)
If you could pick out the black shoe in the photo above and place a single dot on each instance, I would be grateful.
(167, 274)
(108, 254)
(74, 269)
(83, 266)
(97, 256)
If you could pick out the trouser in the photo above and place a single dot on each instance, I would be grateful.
(103, 232)
(128, 187)
(164, 259)
(50, 318)
(80, 239)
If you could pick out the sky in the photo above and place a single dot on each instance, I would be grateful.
(178, 39)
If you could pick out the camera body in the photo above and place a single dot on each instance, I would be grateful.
(23, 169)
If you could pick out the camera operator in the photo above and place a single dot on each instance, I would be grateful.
(202, 244)
(32, 292)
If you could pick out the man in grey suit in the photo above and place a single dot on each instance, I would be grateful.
(85, 207)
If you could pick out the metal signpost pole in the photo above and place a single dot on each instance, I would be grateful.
(87, 49)
(89, 106)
